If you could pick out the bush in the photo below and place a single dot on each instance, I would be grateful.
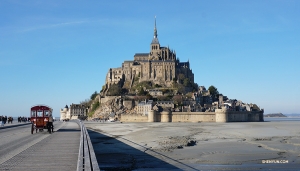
(94, 95)
(114, 90)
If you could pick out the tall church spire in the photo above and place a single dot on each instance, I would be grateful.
(155, 39)
(155, 30)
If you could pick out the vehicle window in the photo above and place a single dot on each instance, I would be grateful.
(40, 113)
(46, 113)
(33, 113)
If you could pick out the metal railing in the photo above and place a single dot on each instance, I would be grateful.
(87, 160)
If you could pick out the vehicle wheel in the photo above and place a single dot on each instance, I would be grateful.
(31, 128)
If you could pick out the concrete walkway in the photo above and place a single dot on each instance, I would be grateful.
(57, 151)
(14, 124)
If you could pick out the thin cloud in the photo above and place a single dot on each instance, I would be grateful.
(54, 26)
(105, 22)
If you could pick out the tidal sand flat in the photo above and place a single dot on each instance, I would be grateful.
(196, 146)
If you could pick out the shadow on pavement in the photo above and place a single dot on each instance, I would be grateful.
(113, 154)
(68, 130)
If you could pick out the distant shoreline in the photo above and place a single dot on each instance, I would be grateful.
(278, 115)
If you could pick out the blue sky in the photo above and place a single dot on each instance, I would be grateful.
(58, 52)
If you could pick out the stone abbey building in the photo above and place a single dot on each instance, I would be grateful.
(160, 66)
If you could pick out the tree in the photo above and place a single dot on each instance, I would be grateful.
(195, 87)
(114, 90)
(180, 89)
(175, 79)
(141, 91)
(86, 102)
(93, 96)
(189, 95)
(157, 86)
(177, 99)
(181, 77)
(148, 96)
(95, 106)
(213, 90)
(186, 82)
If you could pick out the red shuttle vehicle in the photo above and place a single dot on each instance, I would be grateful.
(39, 117)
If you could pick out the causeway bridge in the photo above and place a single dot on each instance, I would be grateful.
(67, 149)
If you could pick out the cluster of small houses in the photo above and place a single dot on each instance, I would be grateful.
(201, 101)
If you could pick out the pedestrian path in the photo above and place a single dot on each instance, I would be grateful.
(57, 151)
(14, 124)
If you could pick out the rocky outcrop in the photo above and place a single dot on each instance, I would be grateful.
(113, 105)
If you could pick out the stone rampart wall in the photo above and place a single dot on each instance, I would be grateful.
(193, 117)
(218, 116)
(245, 116)
(134, 118)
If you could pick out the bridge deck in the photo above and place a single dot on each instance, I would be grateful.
(59, 151)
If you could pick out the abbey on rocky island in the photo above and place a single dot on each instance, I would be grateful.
(157, 87)
(160, 65)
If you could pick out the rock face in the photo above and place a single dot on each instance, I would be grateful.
(275, 115)
(114, 105)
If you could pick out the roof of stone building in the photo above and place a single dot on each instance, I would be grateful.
(77, 105)
(181, 64)
(114, 69)
(142, 103)
(155, 41)
(153, 90)
(165, 102)
(141, 54)
(156, 61)
(128, 61)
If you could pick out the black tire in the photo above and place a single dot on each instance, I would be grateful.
(31, 128)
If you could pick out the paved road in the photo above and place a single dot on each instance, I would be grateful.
(21, 150)
(14, 124)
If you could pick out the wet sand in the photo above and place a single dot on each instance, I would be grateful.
(196, 146)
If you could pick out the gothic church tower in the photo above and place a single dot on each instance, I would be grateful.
(155, 46)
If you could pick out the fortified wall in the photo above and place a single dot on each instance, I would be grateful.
(220, 115)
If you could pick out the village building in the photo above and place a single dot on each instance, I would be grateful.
(144, 107)
(75, 111)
